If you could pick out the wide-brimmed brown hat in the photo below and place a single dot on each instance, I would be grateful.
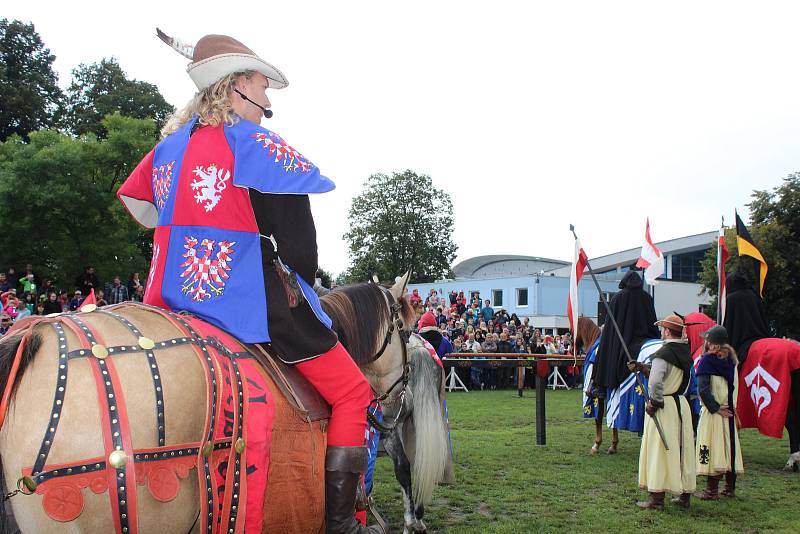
(215, 56)
(673, 322)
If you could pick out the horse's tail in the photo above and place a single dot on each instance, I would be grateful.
(9, 347)
(11, 370)
(430, 443)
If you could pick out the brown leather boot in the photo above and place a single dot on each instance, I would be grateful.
(343, 469)
(656, 502)
(683, 500)
(730, 486)
(711, 492)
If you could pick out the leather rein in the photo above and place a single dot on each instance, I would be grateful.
(395, 323)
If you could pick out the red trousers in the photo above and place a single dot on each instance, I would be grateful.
(341, 383)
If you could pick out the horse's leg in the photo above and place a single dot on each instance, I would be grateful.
(614, 441)
(598, 427)
(402, 472)
(793, 423)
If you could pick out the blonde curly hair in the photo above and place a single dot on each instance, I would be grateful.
(212, 105)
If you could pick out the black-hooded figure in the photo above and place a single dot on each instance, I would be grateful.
(635, 315)
(744, 317)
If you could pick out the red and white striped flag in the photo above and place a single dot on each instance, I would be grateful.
(578, 265)
(651, 258)
(722, 258)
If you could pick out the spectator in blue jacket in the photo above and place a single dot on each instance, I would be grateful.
(487, 312)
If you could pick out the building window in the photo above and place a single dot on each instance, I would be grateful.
(522, 297)
(497, 298)
(686, 267)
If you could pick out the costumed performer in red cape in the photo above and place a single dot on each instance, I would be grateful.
(235, 241)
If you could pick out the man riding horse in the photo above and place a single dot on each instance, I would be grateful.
(235, 241)
(760, 354)
(635, 315)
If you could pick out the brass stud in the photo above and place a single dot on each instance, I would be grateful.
(100, 351)
(117, 459)
(240, 444)
(88, 308)
(146, 343)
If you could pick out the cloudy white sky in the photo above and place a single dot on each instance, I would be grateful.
(531, 115)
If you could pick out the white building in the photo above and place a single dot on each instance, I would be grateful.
(538, 288)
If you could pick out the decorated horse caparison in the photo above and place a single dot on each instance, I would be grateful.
(130, 419)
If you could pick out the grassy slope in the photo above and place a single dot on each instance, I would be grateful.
(508, 484)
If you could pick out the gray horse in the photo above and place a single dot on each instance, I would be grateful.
(409, 386)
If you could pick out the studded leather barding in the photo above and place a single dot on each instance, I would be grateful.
(122, 468)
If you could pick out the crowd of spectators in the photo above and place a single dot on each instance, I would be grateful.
(25, 294)
(473, 325)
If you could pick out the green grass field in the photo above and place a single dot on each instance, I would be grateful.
(506, 483)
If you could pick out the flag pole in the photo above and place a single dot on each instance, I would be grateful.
(720, 268)
(622, 342)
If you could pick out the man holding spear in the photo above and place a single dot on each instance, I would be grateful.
(662, 459)
(668, 469)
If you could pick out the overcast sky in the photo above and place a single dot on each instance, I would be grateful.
(531, 115)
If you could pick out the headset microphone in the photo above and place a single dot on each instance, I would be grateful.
(267, 112)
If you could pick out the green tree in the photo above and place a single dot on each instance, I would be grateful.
(398, 222)
(775, 228)
(59, 208)
(325, 277)
(29, 94)
(103, 88)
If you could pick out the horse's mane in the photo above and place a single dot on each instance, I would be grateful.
(8, 351)
(586, 333)
(360, 314)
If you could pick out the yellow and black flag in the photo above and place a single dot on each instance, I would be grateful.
(747, 247)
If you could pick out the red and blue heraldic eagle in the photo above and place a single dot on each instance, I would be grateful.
(193, 189)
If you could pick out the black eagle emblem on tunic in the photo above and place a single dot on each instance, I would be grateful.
(704, 452)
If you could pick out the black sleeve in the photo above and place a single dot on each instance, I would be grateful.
(704, 388)
(289, 219)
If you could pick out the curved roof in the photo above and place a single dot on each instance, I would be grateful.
(471, 267)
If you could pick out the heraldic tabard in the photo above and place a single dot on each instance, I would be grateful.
(193, 189)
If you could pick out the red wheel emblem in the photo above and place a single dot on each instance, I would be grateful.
(163, 483)
(63, 502)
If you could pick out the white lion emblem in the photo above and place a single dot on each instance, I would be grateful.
(209, 184)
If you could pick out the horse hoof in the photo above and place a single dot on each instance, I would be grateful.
(794, 462)
(595, 449)
(612, 449)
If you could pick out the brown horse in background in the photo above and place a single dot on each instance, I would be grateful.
(586, 334)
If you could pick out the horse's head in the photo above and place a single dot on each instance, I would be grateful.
(373, 322)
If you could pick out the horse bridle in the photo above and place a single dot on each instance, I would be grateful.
(395, 322)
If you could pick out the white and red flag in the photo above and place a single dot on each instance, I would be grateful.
(722, 258)
(651, 259)
(578, 265)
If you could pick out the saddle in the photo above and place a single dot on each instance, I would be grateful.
(302, 396)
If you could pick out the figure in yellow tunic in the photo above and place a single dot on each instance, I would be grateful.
(673, 470)
(716, 453)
